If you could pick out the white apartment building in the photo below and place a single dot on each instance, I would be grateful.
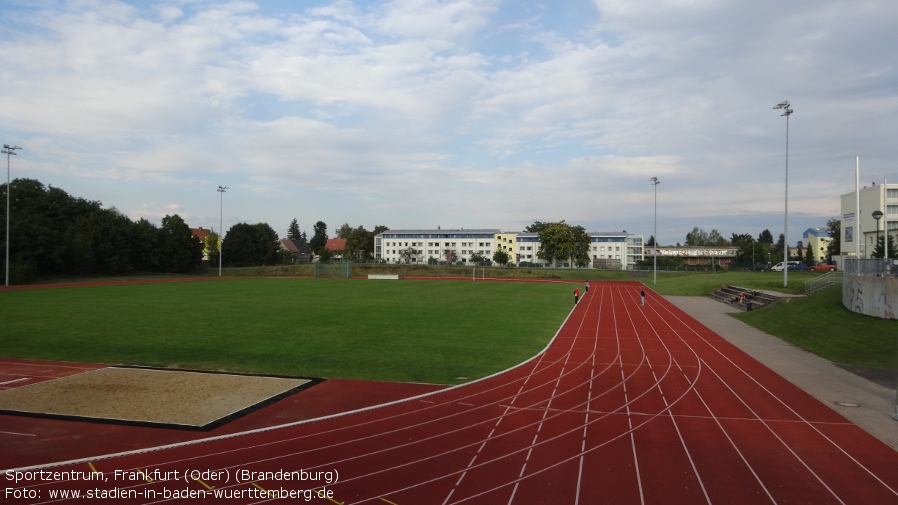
(611, 250)
(859, 229)
(427, 246)
(615, 250)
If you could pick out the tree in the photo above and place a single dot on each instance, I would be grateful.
(834, 248)
(651, 242)
(700, 238)
(536, 227)
(809, 256)
(179, 250)
(879, 251)
(344, 231)
(250, 245)
(408, 254)
(319, 238)
(359, 244)
(211, 247)
(697, 237)
(145, 255)
(501, 258)
(563, 241)
(747, 248)
(293, 232)
(765, 237)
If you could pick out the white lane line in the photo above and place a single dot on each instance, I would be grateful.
(15, 381)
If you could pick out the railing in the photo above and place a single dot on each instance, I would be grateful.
(822, 282)
(870, 266)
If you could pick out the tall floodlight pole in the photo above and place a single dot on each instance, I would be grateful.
(655, 182)
(787, 111)
(221, 190)
(8, 151)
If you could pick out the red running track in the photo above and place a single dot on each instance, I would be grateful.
(627, 405)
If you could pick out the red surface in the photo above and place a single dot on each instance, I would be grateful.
(629, 404)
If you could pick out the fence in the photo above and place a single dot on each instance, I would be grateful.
(870, 266)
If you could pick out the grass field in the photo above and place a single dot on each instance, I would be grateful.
(409, 330)
(403, 331)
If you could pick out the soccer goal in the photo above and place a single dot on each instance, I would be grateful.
(341, 269)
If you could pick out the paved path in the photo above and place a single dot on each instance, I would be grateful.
(817, 376)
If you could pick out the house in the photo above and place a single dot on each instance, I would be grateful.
(299, 249)
(336, 246)
(201, 234)
(817, 241)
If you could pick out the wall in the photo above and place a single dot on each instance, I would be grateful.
(873, 296)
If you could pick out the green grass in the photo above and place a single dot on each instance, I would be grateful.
(400, 331)
(705, 283)
(819, 323)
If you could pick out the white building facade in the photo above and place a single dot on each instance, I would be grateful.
(860, 230)
(615, 250)
(435, 246)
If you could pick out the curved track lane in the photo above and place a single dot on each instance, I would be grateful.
(627, 404)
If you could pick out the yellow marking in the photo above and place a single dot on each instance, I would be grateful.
(207, 486)
(388, 501)
(92, 467)
(145, 476)
(260, 488)
(335, 501)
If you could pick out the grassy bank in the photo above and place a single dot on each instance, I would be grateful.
(822, 325)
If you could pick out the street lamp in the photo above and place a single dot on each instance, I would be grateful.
(655, 182)
(8, 151)
(877, 215)
(222, 190)
(787, 111)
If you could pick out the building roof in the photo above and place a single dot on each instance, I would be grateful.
(295, 246)
(817, 232)
(335, 244)
(200, 233)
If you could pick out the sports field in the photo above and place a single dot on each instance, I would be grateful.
(435, 332)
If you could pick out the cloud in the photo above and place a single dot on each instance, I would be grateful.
(469, 113)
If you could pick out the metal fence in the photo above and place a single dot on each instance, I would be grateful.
(870, 266)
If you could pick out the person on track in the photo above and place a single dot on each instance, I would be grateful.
(576, 295)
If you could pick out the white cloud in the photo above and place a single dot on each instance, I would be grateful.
(497, 114)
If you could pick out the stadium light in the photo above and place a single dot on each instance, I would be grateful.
(655, 182)
(8, 151)
(787, 111)
(222, 190)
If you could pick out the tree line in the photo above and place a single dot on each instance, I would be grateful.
(54, 234)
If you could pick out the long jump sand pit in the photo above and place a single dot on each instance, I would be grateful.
(151, 397)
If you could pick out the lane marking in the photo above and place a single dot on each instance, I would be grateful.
(207, 486)
(15, 381)
(19, 434)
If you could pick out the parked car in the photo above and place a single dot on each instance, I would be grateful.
(824, 267)
(758, 267)
(793, 265)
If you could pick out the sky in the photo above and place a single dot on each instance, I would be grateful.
(455, 113)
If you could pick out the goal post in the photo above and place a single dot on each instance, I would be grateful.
(337, 269)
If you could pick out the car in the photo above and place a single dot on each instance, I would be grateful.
(793, 265)
(824, 267)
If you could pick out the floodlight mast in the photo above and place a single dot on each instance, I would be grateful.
(655, 182)
(221, 190)
(787, 111)
(8, 151)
